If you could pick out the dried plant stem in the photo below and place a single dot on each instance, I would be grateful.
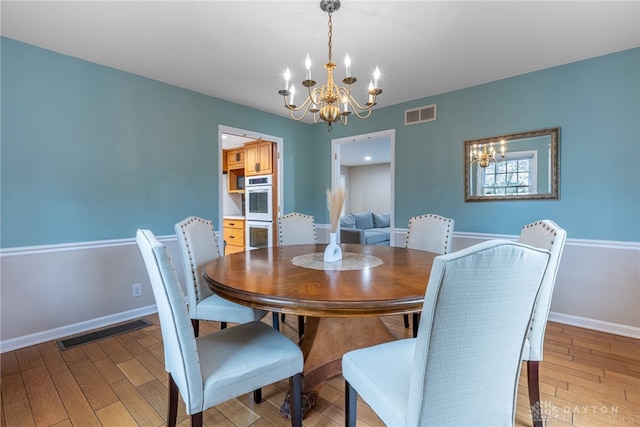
(335, 199)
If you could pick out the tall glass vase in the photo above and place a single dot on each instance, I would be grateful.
(332, 252)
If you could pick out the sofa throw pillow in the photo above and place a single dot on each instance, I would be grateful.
(381, 221)
(364, 220)
(347, 221)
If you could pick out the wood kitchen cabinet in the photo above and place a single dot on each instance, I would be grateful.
(233, 165)
(258, 158)
(235, 159)
(233, 231)
(236, 181)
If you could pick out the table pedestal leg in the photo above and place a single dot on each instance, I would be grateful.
(325, 340)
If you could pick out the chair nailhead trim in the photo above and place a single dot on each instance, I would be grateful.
(183, 228)
(438, 217)
(315, 233)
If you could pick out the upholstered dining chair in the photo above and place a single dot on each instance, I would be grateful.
(431, 233)
(463, 367)
(198, 246)
(297, 229)
(544, 234)
(219, 366)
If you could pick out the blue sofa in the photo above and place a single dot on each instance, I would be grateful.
(366, 228)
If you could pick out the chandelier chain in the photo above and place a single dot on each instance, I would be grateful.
(330, 35)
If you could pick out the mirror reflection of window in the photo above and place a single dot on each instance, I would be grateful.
(516, 174)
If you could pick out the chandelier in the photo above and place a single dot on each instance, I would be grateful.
(324, 102)
(484, 154)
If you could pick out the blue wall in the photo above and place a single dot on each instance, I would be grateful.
(595, 103)
(93, 153)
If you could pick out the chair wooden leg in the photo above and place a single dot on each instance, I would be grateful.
(416, 323)
(172, 412)
(533, 381)
(274, 320)
(196, 326)
(223, 325)
(257, 395)
(351, 404)
(295, 399)
(406, 320)
(196, 420)
(300, 326)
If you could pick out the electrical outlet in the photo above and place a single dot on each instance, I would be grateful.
(136, 290)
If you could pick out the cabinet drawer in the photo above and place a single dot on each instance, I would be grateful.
(234, 237)
(233, 223)
(228, 250)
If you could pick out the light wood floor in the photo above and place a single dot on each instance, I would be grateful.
(588, 378)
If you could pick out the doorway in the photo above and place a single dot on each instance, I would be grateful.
(367, 163)
(230, 138)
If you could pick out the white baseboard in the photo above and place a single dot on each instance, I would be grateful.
(77, 328)
(596, 325)
(53, 334)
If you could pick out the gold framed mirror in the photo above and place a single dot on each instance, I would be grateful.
(516, 166)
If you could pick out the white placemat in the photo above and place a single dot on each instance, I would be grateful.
(349, 261)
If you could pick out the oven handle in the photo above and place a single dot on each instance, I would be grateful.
(254, 225)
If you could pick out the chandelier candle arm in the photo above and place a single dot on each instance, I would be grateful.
(326, 100)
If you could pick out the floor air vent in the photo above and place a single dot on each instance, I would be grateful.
(420, 115)
(68, 343)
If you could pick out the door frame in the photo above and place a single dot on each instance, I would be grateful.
(279, 142)
(336, 145)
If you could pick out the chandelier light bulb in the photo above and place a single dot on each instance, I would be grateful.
(292, 91)
(287, 76)
(347, 65)
(307, 66)
(376, 77)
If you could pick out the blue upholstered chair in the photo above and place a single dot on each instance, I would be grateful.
(219, 366)
(198, 246)
(431, 233)
(463, 367)
(544, 234)
(297, 229)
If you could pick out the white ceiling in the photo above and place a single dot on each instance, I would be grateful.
(238, 50)
(366, 152)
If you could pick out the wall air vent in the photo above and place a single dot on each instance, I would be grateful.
(420, 115)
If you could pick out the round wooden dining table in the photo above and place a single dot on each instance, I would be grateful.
(342, 300)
